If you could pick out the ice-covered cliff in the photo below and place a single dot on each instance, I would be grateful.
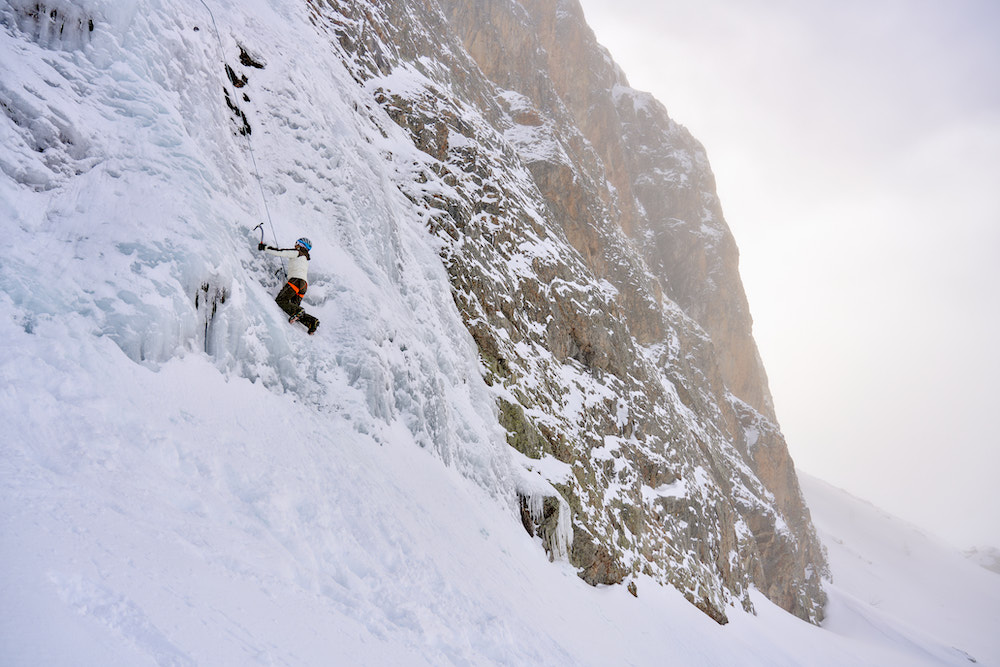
(520, 265)
(592, 264)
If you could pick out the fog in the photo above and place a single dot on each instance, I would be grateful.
(856, 148)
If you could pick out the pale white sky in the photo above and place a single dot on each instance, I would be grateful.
(856, 147)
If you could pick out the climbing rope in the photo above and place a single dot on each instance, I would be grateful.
(246, 135)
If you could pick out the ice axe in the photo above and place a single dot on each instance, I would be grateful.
(281, 269)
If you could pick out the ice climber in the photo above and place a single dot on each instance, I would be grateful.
(290, 296)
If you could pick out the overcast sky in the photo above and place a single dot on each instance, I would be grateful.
(856, 146)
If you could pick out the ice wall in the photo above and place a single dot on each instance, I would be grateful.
(130, 198)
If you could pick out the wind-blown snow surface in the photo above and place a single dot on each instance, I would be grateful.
(187, 479)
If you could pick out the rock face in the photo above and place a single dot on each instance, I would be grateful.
(590, 259)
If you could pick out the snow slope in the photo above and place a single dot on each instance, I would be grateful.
(165, 516)
(892, 582)
(185, 479)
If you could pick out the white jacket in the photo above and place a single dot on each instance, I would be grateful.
(298, 265)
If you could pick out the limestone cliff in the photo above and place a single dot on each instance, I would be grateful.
(590, 259)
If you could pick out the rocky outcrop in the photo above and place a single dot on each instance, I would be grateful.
(593, 267)
(987, 557)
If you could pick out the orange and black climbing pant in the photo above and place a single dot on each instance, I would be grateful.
(291, 295)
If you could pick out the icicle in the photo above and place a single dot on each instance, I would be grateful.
(563, 538)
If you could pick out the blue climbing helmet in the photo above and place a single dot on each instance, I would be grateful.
(305, 243)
